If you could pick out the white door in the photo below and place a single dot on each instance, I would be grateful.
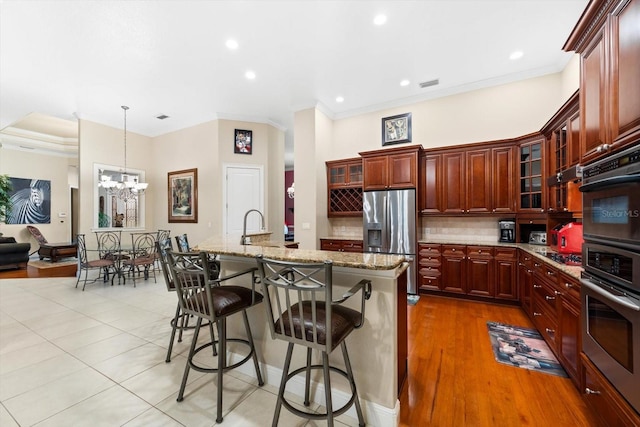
(243, 190)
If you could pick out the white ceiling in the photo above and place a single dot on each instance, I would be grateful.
(69, 59)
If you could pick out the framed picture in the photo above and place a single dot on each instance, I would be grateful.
(396, 129)
(242, 142)
(183, 195)
(30, 201)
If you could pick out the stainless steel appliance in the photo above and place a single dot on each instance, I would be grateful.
(610, 288)
(611, 199)
(389, 220)
(507, 231)
(538, 238)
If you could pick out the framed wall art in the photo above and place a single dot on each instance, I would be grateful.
(30, 201)
(183, 195)
(243, 141)
(396, 129)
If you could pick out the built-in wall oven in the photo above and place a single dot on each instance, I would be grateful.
(610, 289)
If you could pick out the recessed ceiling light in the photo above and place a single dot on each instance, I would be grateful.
(516, 55)
(232, 44)
(162, 117)
(380, 19)
(339, 99)
(405, 82)
(250, 75)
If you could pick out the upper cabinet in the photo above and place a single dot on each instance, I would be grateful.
(344, 187)
(394, 168)
(468, 180)
(532, 192)
(608, 41)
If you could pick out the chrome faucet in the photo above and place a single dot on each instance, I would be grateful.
(243, 239)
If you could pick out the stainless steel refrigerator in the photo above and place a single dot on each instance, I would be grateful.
(389, 220)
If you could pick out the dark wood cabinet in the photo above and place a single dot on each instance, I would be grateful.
(569, 336)
(608, 41)
(506, 273)
(478, 181)
(503, 183)
(430, 184)
(454, 272)
(341, 245)
(390, 169)
(603, 398)
(344, 188)
(531, 197)
(525, 281)
(453, 183)
(480, 271)
(429, 267)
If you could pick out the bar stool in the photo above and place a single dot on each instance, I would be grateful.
(205, 297)
(301, 310)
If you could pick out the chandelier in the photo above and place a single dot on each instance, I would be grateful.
(291, 190)
(128, 187)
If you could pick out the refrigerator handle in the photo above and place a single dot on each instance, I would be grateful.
(386, 221)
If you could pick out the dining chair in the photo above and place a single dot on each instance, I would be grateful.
(211, 300)
(109, 247)
(162, 236)
(85, 263)
(301, 310)
(142, 255)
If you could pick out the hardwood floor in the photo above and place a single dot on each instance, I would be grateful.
(453, 377)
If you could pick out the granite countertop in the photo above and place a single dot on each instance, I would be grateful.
(341, 238)
(229, 246)
(537, 251)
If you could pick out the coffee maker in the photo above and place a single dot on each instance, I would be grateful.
(507, 231)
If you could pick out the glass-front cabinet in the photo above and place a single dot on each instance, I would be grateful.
(531, 197)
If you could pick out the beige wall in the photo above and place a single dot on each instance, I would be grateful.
(105, 145)
(29, 165)
(208, 147)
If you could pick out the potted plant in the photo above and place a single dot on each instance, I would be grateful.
(5, 199)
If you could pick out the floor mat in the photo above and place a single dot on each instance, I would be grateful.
(523, 348)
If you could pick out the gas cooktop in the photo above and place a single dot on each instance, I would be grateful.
(567, 259)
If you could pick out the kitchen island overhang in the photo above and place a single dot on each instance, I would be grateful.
(378, 350)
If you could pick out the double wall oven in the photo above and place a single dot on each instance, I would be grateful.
(611, 278)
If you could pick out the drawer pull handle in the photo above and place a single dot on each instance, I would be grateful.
(537, 314)
(548, 298)
(537, 286)
(535, 264)
(529, 271)
(558, 293)
(587, 390)
(550, 331)
(550, 273)
(568, 285)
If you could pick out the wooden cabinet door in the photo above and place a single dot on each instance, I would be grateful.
(624, 63)
(480, 277)
(430, 183)
(453, 184)
(525, 283)
(402, 170)
(506, 274)
(503, 182)
(375, 172)
(593, 98)
(568, 337)
(478, 181)
(454, 273)
(573, 143)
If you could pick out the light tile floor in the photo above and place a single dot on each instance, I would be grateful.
(97, 358)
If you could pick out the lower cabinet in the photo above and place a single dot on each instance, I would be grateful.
(605, 401)
(341, 245)
(525, 281)
(481, 271)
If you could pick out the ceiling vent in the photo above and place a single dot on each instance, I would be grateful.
(162, 117)
(429, 83)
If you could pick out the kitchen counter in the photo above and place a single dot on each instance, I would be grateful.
(537, 251)
(378, 351)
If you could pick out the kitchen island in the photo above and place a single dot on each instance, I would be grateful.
(378, 351)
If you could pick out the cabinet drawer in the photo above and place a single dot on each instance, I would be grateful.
(352, 246)
(428, 250)
(429, 271)
(547, 295)
(330, 245)
(569, 287)
(429, 282)
(433, 261)
(544, 270)
(453, 251)
(479, 251)
(545, 320)
(505, 253)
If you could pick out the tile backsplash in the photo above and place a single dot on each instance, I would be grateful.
(470, 229)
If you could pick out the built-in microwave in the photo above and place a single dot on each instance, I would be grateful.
(611, 199)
